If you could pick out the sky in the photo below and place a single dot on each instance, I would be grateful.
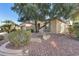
(6, 13)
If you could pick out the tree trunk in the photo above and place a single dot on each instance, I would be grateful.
(36, 27)
(49, 26)
(44, 25)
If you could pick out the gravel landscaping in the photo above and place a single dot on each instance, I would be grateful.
(3, 38)
(56, 45)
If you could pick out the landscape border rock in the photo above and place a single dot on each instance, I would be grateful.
(10, 52)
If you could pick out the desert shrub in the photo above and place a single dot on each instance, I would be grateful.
(76, 27)
(77, 34)
(32, 30)
(20, 37)
(71, 29)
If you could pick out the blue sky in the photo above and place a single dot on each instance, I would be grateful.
(6, 13)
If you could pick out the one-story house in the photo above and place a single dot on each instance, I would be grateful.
(59, 26)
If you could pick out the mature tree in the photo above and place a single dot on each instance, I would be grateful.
(31, 12)
(44, 12)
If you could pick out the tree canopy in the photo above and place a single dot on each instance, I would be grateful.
(43, 11)
(40, 11)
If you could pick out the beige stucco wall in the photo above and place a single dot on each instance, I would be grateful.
(53, 26)
(58, 27)
(41, 23)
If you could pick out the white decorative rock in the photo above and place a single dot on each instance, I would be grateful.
(45, 37)
(36, 40)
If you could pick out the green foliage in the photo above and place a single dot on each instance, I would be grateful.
(32, 11)
(71, 29)
(20, 37)
(76, 27)
(42, 11)
(8, 22)
(8, 26)
(77, 33)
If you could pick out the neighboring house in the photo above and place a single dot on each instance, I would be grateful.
(26, 25)
(31, 25)
(59, 26)
(17, 27)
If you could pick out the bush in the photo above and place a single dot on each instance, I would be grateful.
(77, 31)
(19, 38)
(77, 34)
(71, 29)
